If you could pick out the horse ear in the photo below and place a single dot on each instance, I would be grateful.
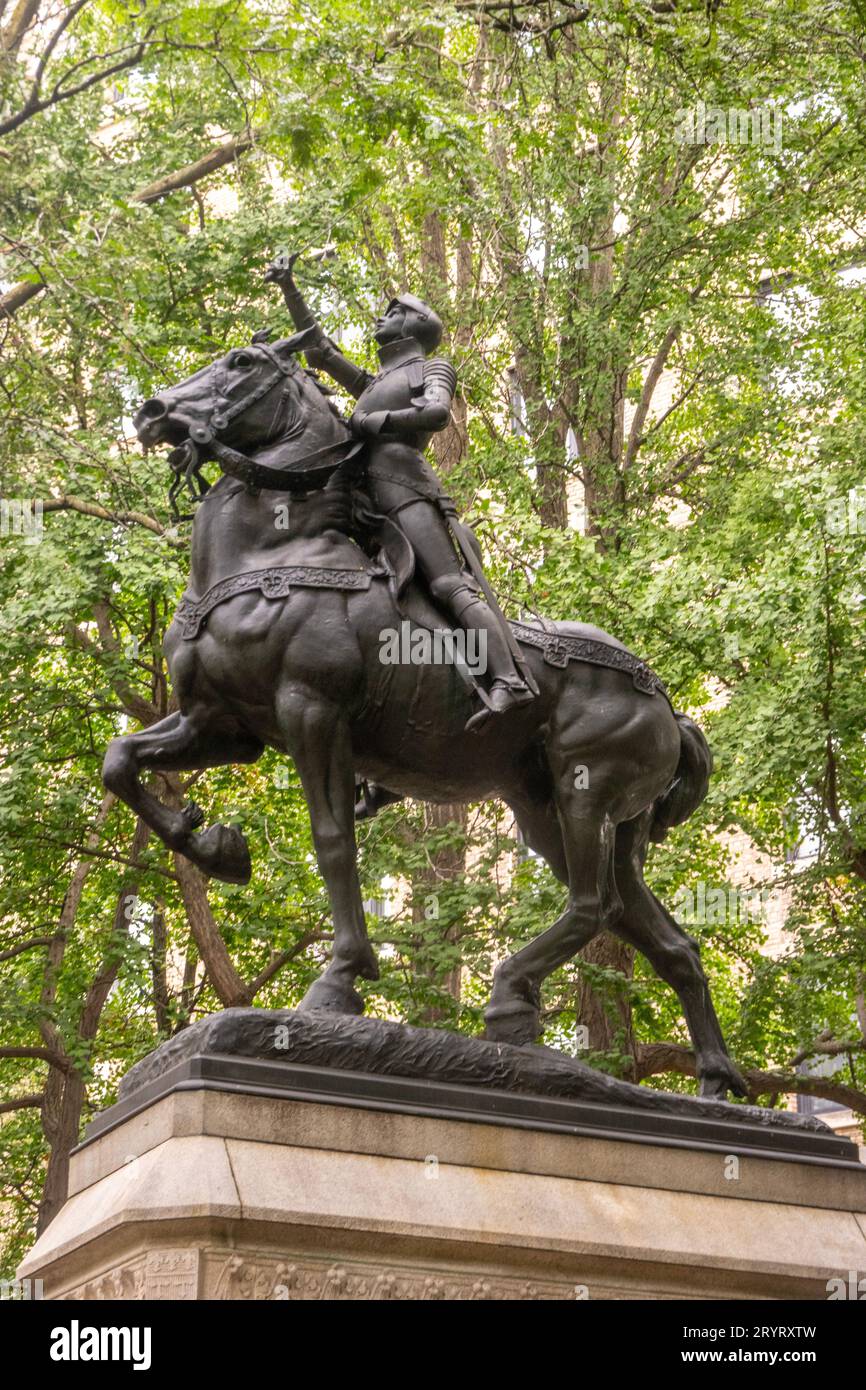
(262, 336)
(299, 342)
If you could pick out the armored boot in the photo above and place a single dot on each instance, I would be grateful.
(464, 603)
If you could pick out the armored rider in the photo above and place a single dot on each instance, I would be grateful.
(396, 412)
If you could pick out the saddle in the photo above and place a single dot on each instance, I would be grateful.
(390, 558)
(558, 647)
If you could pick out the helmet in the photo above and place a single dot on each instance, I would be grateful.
(422, 323)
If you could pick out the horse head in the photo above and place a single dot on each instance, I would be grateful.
(257, 412)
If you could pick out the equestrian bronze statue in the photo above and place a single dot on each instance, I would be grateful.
(321, 534)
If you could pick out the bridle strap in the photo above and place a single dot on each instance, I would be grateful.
(257, 475)
(247, 470)
(221, 419)
(282, 368)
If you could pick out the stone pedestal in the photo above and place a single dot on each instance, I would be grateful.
(226, 1177)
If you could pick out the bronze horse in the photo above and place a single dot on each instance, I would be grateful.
(278, 643)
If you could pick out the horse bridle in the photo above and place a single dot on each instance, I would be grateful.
(188, 458)
(204, 442)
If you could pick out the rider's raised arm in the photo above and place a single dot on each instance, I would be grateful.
(322, 354)
(426, 413)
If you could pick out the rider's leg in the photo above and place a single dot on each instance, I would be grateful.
(423, 524)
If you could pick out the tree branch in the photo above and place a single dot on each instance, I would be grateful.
(38, 1054)
(130, 518)
(191, 174)
(829, 1047)
(281, 958)
(21, 1103)
(26, 946)
(20, 294)
(22, 17)
(134, 704)
(100, 985)
(35, 103)
(651, 381)
(655, 1058)
(72, 898)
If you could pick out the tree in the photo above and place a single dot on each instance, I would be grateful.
(662, 338)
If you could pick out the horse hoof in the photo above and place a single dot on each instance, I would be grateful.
(517, 1024)
(332, 996)
(193, 815)
(368, 966)
(223, 853)
(715, 1083)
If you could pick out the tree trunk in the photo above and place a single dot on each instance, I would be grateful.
(65, 1090)
(608, 1020)
(61, 1121)
(445, 865)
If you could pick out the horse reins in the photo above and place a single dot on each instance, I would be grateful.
(204, 439)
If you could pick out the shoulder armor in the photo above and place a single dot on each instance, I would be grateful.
(438, 371)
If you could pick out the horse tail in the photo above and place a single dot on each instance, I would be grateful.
(689, 787)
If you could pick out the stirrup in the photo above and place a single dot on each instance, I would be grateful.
(505, 694)
(365, 806)
(371, 798)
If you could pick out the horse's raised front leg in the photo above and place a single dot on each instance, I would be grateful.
(183, 743)
(318, 740)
